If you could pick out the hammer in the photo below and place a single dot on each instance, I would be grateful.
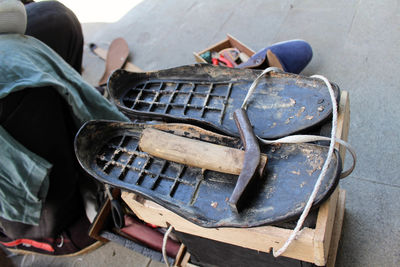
(247, 164)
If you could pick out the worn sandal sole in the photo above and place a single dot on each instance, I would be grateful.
(109, 152)
(117, 54)
(207, 95)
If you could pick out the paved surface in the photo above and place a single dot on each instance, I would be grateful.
(355, 43)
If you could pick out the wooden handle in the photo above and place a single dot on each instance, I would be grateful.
(193, 152)
(102, 53)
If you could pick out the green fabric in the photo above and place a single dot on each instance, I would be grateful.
(25, 62)
(23, 181)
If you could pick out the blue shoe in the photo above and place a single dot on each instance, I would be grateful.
(291, 56)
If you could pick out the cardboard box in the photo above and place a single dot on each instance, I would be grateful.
(229, 42)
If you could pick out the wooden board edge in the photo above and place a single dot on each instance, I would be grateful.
(180, 255)
(224, 43)
(323, 228)
(99, 221)
(337, 229)
(326, 214)
(88, 249)
(132, 67)
(198, 58)
(186, 259)
(102, 53)
(239, 45)
(258, 238)
(343, 125)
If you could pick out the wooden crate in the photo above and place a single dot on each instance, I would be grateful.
(315, 245)
(229, 42)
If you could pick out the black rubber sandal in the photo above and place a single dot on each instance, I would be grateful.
(109, 152)
(207, 96)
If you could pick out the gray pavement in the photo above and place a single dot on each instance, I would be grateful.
(356, 44)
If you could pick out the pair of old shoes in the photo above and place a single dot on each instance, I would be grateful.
(291, 56)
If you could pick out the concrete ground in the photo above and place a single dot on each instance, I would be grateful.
(356, 44)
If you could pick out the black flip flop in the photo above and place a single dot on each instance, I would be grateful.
(207, 95)
(109, 152)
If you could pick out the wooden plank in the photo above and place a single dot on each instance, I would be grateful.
(81, 252)
(258, 238)
(185, 261)
(132, 67)
(180, 255)
(323, 229)
(98, 223)
(343, 125)
(102, 217)
(326, 214)
(239, 45)
(337, 229)
(102, 53)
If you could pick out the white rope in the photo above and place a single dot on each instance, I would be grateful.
(317, 185)
(255, 83)
(164, 245)
(296, 139)
(302, 139)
